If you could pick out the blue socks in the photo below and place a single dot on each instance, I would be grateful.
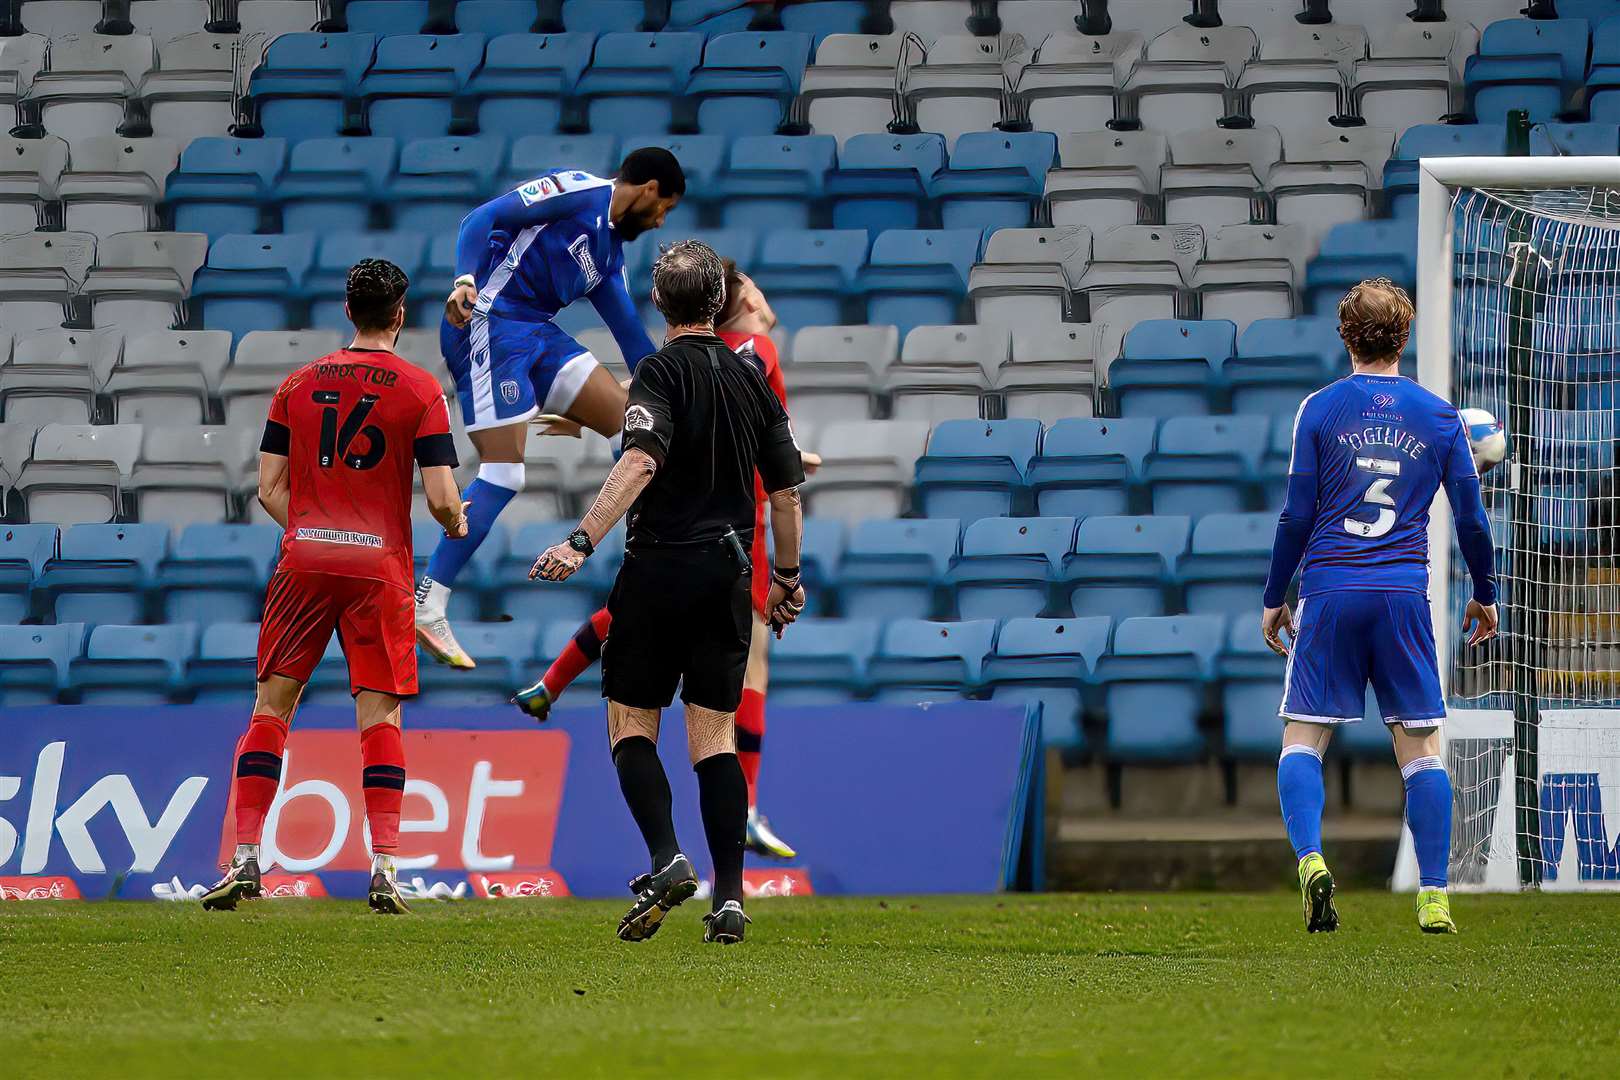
(488, 500)
(1428, 815)
(1300, 791)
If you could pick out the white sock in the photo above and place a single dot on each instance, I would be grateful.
(244, 852)
(432, 597)
(382, 864)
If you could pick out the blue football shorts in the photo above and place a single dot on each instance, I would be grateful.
(1346, 640)
(507, 371)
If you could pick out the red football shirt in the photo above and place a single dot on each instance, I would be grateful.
(761, 350)
(354, 425)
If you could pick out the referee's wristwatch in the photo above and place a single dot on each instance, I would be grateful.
(580, 541)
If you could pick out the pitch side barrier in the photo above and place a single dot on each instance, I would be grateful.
(134, 802)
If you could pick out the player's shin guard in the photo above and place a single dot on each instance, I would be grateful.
(258, 774)
(1428, 815)
(382, 777)
(583, 650)
(497, 484)
(750, 738)
(723, 795)
(646, 792)
(1301, 793)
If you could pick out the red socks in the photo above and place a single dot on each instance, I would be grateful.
(258, 774)
(382, 777)
(750, 737)
(579, 654)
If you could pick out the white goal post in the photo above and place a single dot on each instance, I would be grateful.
(1518, 275)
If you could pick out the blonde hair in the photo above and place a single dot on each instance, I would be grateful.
(1375, 319)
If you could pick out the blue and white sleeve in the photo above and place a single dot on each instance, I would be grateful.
(612, 301)
(529, 205)
(1298, 514)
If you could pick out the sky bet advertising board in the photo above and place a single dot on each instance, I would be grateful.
(135, 802)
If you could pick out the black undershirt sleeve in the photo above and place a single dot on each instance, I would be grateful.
(780, 465)
(436, 450)
(277, 439)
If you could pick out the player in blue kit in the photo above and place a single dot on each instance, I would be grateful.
(1370, 452)
(520, 259)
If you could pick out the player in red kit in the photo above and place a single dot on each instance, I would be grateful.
(335, 469)
(745, 325)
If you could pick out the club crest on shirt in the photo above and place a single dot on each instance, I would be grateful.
(509, 391)
(637, 418)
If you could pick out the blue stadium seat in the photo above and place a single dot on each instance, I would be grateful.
(634, 79)
(526, 80)
(601, 16)
(327, 282)
(882, 180)
(223, 671)
(303, 85)
(809, 273)
(893, 568)
(820, 551)
(995, 179)
(1526, 64)
(535, 154)
(1154, 682)
(425, 298)
(1575, 140)
(331, 184)
(1356, 250)
(132, 665)
(1172, 367)
(1206, 464)
(1251, 677)
(1123, 566)
(822, 661)
(774, 181)
(476, 578)
(1007, 566)
(822, 17)
(542, 602)
(1274, 465)
(976, 468)
(1225, 570)
(918, 277)
(222, 183)
(441, 179)
(102, 573)
(34, 662)
(1602, 100)
(252, 282)
(410, 86)
(1279, 361)
(217, 573)
(493, 18)
(504, 652)
(1434, 140)
(747, 81)
(24, 551)
(1090, 466)
(929, 661)
(399, 17)
(1049, 661)
(701, 157)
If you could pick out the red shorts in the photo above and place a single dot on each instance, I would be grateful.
(375, 623)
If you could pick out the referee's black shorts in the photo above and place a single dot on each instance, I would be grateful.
(681, 614)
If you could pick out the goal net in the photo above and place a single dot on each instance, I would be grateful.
(1519, 314)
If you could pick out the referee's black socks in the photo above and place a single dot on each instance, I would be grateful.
(646, 792)
(723, 793)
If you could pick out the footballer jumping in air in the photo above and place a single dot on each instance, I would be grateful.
(342, 439)
(520, 259)
(745, 325)
(1370, 452)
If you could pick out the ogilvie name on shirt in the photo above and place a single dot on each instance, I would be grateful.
(1384, 435)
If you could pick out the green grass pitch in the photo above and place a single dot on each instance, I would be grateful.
(1026, 986)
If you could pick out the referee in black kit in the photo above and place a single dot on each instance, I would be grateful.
(699, 422)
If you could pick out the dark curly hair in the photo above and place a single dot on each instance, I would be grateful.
(376, 289)
(1375, 319)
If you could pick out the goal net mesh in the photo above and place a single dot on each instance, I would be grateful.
(1536, 341)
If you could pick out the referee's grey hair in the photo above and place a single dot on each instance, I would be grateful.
(689, 283)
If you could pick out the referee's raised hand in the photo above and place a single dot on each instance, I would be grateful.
(557, 563)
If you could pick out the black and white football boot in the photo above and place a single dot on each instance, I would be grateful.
(656, 895)
(241, 882)
(384, 897)
(724, 926)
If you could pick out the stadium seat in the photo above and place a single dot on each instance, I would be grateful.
(251, 282)
(850, 88)
(835, 370)
(1049, 661)
(1330, 175)
(103, 573)
(29, 171)
(1226, 566)
(918, 276)
(1409, 74)
(413, 80)
(819, 18)
(1248, 272)
(821, 548)
(774, 181)
(1602, 101)
(995, 179)
(327, 280)
(1279, 361)
(1139, 272)
(526, 80)
(382, 17)
(1053, 371)
(1105, 178)
(141, 280)
(1185, 77)
(601, 16)
(331, 184)
(24, 551)
(272, 17)
(1172, 367)
(634, 79)
(43, 275)
(866, 469)
(1434, 140)
(513, 594)
(976, 468)
(822, 661)
(1153, 683)
(894, 568)
(55, 375)
(78, 472)
(1251, 678)
(1299, 74)
(960, 84)
(931, 20)
(495, 17)
(1024, 279)
(809, 273)
(1575, 140)
(1527, 64)
(186, 474)
(1069, 83)
(929, 661)
(34, 662)
(882, 180)
(533, 155)
(1007, 566)
(1214, 175)
(132, 665)
(748, 80)
(1206, 465)
(222, 184)
(192, 90)
(440, 179)
(88, 82)
(944, 371)
(217, 573)
(1123, 566)
(1358, 250)
(263, 359)
(113, 184)
(504, 653)
(307, 85)
(466, 602)
(1090, 466)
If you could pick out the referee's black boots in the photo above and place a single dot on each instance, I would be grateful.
(656, 895)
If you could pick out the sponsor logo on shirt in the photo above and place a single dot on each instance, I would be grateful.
(339, 536)
(580, 249)
(637, 418)
(509, 391)
(536, 190)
